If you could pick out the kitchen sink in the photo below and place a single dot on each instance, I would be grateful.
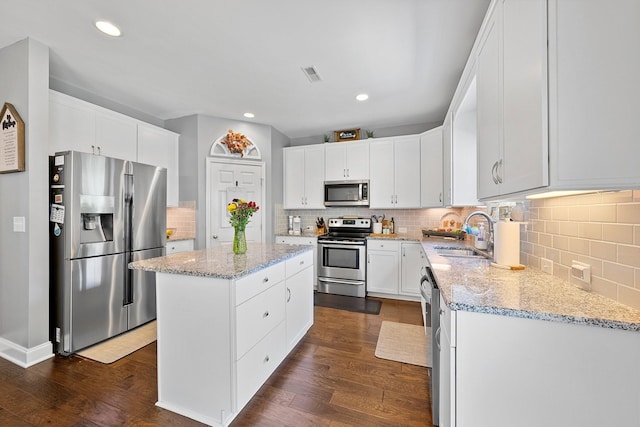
(459, 252)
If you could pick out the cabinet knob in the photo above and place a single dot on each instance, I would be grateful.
(266, 359)
(265, 280)
(215, 236)
(266, 314)
(301, 262)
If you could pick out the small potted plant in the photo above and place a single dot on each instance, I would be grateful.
(369, 134)
(325, 138)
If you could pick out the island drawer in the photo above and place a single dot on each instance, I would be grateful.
(299, 263)
(253, 284)
(257, 316)
(256, 366)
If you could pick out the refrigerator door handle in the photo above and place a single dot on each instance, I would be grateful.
(128, 238)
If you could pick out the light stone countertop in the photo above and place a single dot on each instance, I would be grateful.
(221, 262)
(472, 284)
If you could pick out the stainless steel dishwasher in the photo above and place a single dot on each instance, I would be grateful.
(430, 300)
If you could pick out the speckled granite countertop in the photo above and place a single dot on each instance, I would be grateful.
(403, 237)
(221, 262)
(471, 284)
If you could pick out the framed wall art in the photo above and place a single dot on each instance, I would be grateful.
(11, 140)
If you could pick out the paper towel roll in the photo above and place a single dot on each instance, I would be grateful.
(506, 246)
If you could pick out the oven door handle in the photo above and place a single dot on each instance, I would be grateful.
(335, 244)
(343, 282)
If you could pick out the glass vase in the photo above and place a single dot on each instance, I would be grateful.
(239, 241)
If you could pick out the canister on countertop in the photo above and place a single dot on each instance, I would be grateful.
(290, 226)
(297, 226)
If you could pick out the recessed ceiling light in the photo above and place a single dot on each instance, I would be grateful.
(249, 115)
(362, 97)
(108, 28)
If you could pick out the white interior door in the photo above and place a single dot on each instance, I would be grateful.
(228, 180)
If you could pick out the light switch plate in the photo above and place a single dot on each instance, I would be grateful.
(19, 224)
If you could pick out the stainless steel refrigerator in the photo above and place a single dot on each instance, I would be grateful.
(104, 213)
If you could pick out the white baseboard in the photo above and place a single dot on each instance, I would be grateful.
(25, 357)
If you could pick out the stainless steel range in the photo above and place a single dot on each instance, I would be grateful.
(342, 257)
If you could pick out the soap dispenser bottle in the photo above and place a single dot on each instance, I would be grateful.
(481, 238)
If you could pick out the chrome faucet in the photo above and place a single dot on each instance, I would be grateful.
(465, 227)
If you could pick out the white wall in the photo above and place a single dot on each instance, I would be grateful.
(198, 133)
(24, 267)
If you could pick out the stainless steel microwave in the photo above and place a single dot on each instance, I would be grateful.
(346, 193)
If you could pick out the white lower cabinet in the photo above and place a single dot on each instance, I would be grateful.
(394, 268)
(413, 262)
(219, 340)
(172, 247)
(299, 298)
(502, 371)
(383, 267)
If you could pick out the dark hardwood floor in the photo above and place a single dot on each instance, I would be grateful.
(332, 378)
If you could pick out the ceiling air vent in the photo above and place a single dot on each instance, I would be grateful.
(311, 73)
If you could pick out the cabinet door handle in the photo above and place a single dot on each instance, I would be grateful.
(440, 197)
(494, 172)
(266, 314)
(347, 172)
(265, 280)
(302, 262)
(215, 236)
(498, 173)
(288, 294)
(438, 331)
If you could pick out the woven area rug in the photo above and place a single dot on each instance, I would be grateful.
(118, 347)
(404, 343)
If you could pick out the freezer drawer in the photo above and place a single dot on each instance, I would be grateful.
(95, 310)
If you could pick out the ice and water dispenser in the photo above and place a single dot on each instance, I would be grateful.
(96, 215)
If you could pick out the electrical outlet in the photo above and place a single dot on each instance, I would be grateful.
(581, 273)
(546, 265)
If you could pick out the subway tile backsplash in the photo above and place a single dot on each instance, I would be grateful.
(600, 229)
(183, 219)
(414, 220)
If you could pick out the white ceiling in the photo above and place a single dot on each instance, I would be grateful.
(226, 57)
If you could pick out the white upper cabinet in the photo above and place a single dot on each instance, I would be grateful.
(159, 147)
(346, 161)
(593, 94)
(304, 177)
(116, 135)
(512, 100)
(489, 107)
(431, 162)
(81, 126)
(72, 124)
(557, 101)
(78, 125)
(395, 172)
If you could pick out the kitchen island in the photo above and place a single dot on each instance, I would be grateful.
(521, 347)
(225, 323)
